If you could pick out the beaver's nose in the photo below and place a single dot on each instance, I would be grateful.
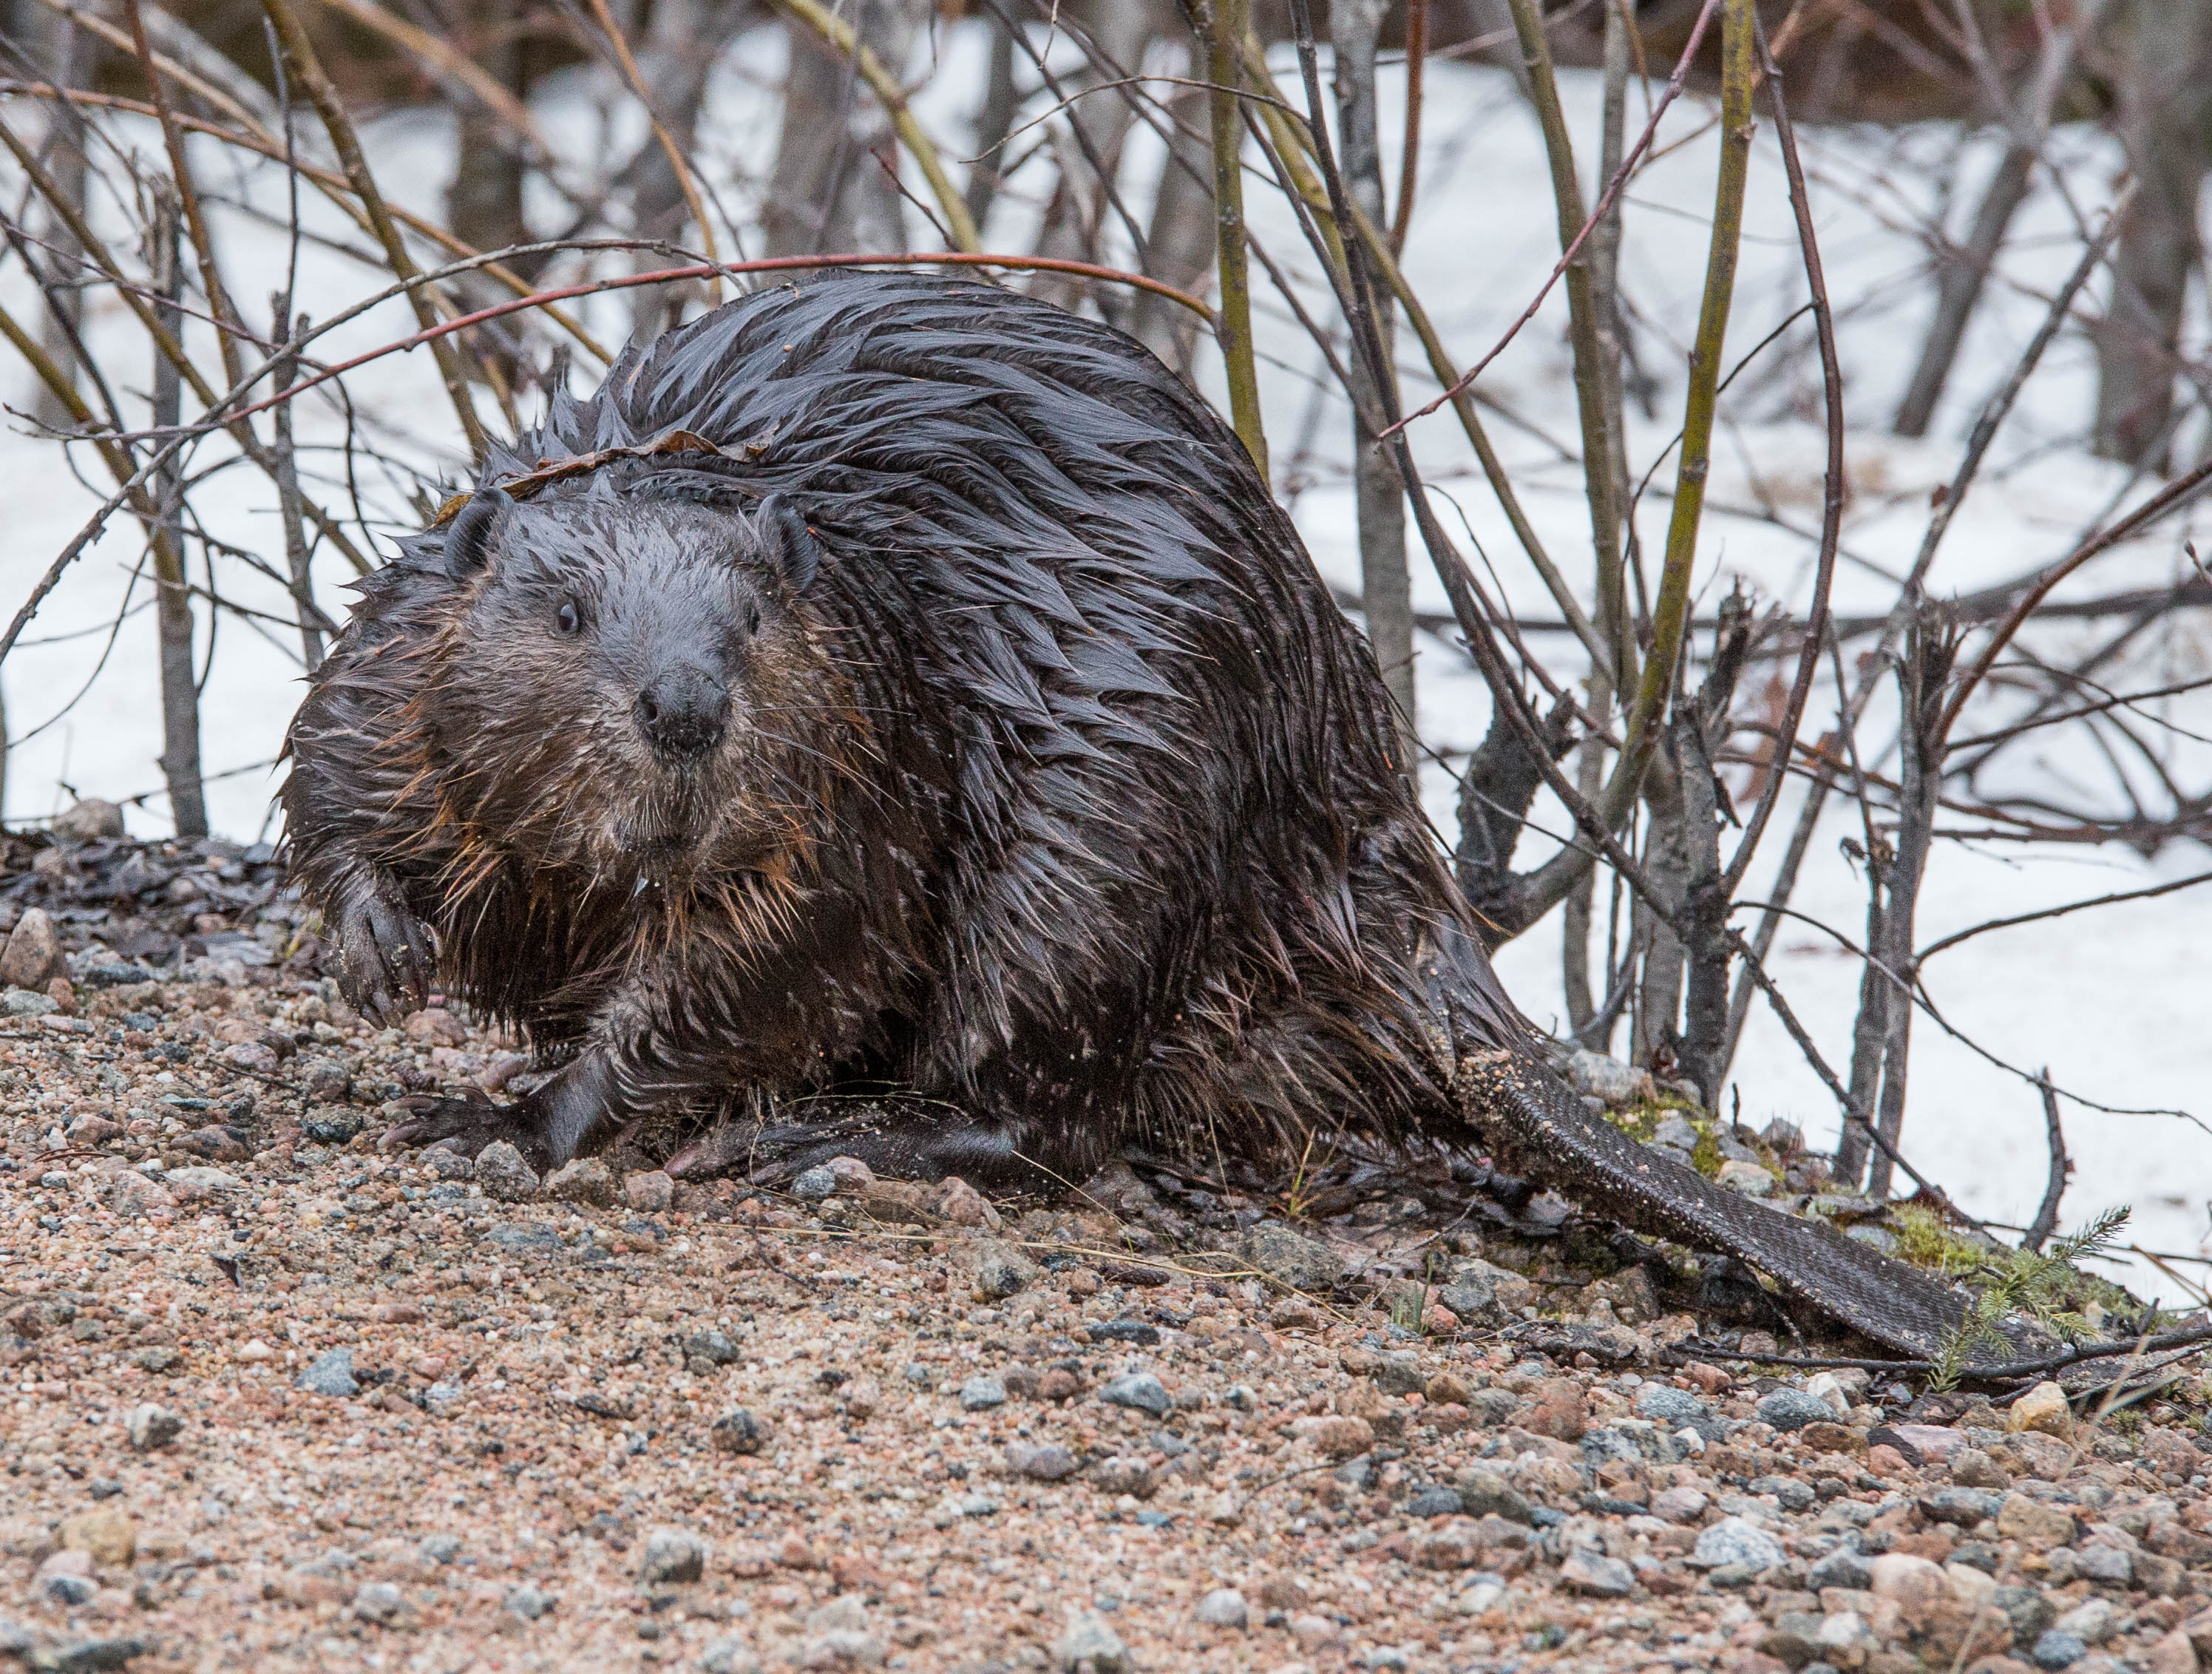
(683, 712)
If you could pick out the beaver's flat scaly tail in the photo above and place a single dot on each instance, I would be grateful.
(1536, 1127)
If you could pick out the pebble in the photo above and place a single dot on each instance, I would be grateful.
(1121, 1475)
(999, 1270)
(1048, 1462)
(440, 1549)
(1139, 1391)
(958, 1202)
(503, 1174)
(672, 1556)
(1843, 1568)
(1594, 1572)
(1484, 1493)
(2055, 1650)
(2043, 1410)
(378, 1601)
(108, 1538)
(1292, 1259)
(33, 958)
(1793, 1409)
(729, 1655)
(151, 1427)
(527, 1602)
(1561, 1411)
(1434, 1501)
(713, 1348)
(1747, 1177)
(2108, 1564)
(1089, 1646)
(190, 1185)
(982, 1391)
(1223, 1607)
(583, 1180)
(737, 1432)
(1663, 1403)
(1736, 1541)
(814, 1184)
(650, 1191)
(1681, 1504)
(331, 1373)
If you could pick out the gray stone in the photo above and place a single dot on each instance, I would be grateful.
(713, 1347)
(1141, 1390)
(1091, 1645)
(583, 1180)
(1843, 1568)
(814, 1184)
(527, 1602)
(90, 1656)
(1662, 1403)
(1223, 1607)
(1793, 1409)
(1434, 1500)
(150, 1427)
(88, 819)
(998, 1269)
(1400, 1372)
(729, 1655)
(672, 1556)
(1793, 1492)
(1120, 1475)
(2056, 1650)
(1291, 1259)
(1484, 1493)
(23, 1003)
(189, 1184)
(502, 1174)
(1473, 1297)
(441, 1398)
(33, 954)
(1047, 1463)
(330, 1373)
(2108, 1564)
(1962, 1507)
(333, 1124)
(2027, 1611)
(2093, 1621)
(440, 1549)
(737, 1432)
(527, 1238)
(983, 1392)
(67, 1588)
(380, 1601)
(1735, 1541)
(1675, 1132)
(326, 1081)
(1595, 1573)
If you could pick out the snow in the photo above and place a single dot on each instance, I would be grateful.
(2108, 1000)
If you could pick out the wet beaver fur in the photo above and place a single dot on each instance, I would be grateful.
(895, 686)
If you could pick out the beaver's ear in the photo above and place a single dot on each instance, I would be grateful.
(468, 537)
(790, 542)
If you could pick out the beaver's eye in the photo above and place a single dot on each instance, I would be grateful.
(569, 619)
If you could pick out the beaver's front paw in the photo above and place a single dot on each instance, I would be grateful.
(385, 954)
(468, 1125)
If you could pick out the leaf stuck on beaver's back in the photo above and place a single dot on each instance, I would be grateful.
(971, 734)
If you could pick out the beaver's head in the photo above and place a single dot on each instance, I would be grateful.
(628, 684)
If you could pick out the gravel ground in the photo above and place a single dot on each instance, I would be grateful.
(271, 1399)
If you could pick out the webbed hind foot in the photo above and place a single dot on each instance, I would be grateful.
(899, 1139)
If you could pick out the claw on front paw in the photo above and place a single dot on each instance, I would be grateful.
(465, 1125)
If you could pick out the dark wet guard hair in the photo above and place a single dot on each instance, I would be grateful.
(1096, 831)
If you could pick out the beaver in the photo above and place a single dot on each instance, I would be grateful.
(891, 718)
